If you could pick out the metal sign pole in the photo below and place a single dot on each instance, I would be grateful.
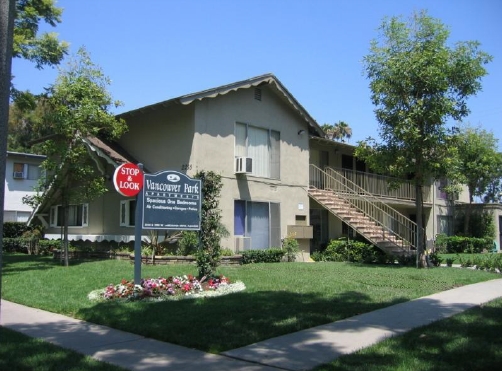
(137, 234)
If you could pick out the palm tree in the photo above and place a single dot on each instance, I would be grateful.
(338, 131)
(341, 131)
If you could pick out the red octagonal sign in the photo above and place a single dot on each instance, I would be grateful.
(128, 179)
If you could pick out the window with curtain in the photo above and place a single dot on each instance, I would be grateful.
(262, 145)
(77, 215)
(258, 220)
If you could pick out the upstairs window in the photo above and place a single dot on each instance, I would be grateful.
(78, 215)
(262, 145)
(26, 171)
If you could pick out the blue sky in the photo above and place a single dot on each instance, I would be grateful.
(154, 50)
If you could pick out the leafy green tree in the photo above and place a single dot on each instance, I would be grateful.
(42, 49)
(480, 164)
(212, 230)
(418, 82)
(77, 106)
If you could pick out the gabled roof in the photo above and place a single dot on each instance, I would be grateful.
(225, 89)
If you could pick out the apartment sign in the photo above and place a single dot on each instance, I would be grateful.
(171, 200)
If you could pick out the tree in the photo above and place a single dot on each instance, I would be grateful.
(212, 230)
(480, 164)
(338, 131)
(418, 82)
(22, 120)
(342, 130)
(76, 107)
(6, 40)
(42, 49)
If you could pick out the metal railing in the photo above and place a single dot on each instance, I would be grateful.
(378, 185)
(395, 227)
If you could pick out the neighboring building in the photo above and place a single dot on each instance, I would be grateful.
(280, 175)
(22, 172)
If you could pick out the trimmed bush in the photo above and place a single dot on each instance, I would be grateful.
(349, 251)
(15, 229)
(272, 255)
(460, 244)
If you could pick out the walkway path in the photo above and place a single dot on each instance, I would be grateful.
(298, 351)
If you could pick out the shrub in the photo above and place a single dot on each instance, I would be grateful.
(350, 251)
(188, 243)
(460, 244)
(291, 247)
(227, 252)
(272, 255)
(17, 229)
(407, 259)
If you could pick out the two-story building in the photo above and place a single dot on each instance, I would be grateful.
(22, 173)
(280, 175)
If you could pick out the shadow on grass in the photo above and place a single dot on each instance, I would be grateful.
(19, 352)
(232, 321)
(468, 341)
(18, 263)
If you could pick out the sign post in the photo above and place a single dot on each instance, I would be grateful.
(128, 180)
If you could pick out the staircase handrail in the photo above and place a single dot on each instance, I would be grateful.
(363, 201)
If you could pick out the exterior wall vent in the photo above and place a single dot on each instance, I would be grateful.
(257, 94)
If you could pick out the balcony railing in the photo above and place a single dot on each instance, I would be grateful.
(378, 185)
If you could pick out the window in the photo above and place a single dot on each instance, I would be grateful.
(77, 215)
(445, 225)
(258, 220)
(33, 172)
(26, 171)
(127, 213)
(262, 145)
(441, 193)
(16, 216)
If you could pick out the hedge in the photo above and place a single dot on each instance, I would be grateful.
(272, 255)
(460, 244)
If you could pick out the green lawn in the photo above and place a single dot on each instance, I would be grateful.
(22, 353)
(280, 298)
(467, 341)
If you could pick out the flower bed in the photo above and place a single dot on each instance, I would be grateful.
(171, 288)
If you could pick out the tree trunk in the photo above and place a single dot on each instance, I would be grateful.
(420, 226)
(6, 39)
(467, 215)
(66, 215)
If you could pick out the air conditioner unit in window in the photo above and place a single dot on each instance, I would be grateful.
(243, 165)
(242, 243)
(18, 175)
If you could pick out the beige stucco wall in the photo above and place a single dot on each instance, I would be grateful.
(214, 144)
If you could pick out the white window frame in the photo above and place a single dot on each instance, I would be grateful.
(125, 214)
(271, 169)
(53, 216)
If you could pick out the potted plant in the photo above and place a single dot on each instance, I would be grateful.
(449, 262)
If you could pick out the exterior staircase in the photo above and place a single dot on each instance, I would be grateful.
(380, 224)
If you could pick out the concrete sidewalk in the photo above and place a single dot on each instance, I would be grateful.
(298, 351)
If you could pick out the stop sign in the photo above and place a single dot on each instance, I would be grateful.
(128, 179)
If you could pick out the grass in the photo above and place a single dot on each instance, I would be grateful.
(456, 257)
(467, 341)
(22, 353)
(280, 298)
